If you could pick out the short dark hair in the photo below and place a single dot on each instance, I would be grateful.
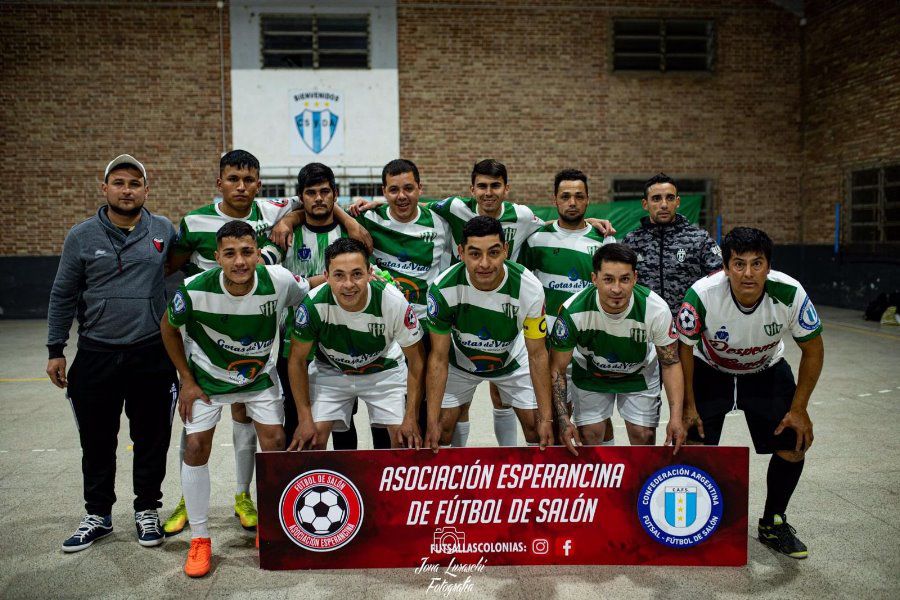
(746, 239)
(399, 166)
(344, 246)
(235, 229)
(131, 166)
(239, 159)
(569, 175)
(314, 173)
(656, 179)
(482, 226)
(614, 253)
(490, 168)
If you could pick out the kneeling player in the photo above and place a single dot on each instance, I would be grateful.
(741, 315)
(231, 315)
(361, 330)
(477, 312)
(620, 333)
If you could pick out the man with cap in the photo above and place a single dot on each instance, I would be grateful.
(111, 278)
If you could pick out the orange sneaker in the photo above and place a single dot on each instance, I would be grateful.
(199, 556)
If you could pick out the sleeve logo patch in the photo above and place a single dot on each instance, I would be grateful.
(432, 306)
(688, 320)
(279, 202)
(410, 320)
(561, 330)
(302, 319)
(809, 318)
(673, 333)
(178, 303)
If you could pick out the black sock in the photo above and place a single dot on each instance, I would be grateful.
(381, 438)
(781, 481)
(345, 440)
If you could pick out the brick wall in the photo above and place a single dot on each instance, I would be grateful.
(80, 84)
(851, 100)
(532, 85)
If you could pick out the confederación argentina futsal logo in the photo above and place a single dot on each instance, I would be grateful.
(680, 506)
(320, 510)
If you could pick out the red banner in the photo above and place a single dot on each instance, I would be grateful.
(503, 506)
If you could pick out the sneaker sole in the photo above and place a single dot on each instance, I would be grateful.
(151, 543)
(197, 575)
(794, 555)
(70, 549)
(168, 533)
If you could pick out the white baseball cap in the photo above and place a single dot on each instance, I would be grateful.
(123, 159)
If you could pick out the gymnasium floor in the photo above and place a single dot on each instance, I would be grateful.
(846, 507)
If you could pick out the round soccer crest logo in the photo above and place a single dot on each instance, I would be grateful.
(680, 506)
(321, 510)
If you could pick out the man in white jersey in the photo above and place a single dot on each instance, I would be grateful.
(231, 315)
(621, 334)
(361, 330)
(560, 255)
(732, 327)
(486, 320)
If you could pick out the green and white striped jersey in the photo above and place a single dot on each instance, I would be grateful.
(413, 253)
(518, 221)
(363, 342)
(737, 340)
(485, 327)
(562, 260)
(234, 343)
(197, 231)
(615, 353)
(305, 256)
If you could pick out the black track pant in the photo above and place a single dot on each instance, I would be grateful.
(100, 383)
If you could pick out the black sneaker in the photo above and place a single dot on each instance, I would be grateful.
(149, 529)
(91, 529)
(780, 536)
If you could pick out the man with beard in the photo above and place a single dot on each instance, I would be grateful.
(560, 255)
(111, 276)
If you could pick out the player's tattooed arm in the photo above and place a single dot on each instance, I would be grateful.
(559, 396)
(566, 430)
(668, 355)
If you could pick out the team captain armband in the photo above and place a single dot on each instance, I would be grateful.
(535, 328)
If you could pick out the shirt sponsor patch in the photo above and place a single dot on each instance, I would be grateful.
(302, 319)
(432, 305)
(688, 320)
(410, 320)
(809, 318)
(178, 303)
(561, 330)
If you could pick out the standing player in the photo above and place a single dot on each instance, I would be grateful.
(111, 277)
(231, 315)
(486, 319)
(560, 253)
(623, 333)
(672, 253)
(361, 330)
(732, 326)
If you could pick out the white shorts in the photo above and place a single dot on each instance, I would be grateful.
(516, 389)
(639, 408)
(266, 408)
(332, 395)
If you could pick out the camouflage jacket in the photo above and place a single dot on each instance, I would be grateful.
(672, 257)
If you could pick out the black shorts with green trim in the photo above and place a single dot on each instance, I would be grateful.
(764, 396)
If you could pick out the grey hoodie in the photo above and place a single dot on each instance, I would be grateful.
(113, 283)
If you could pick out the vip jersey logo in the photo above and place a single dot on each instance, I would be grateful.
(427, 236)
(510, 234)
(772, 328)
(268, 308)
(510, 310)
(639, 335)
(376, 329)
(321, 510)
(680, 506)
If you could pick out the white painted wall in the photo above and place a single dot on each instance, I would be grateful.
(262, 115)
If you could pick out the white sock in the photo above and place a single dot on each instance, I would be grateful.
(182, 445)
(195, 487)
(243, 435)
(460, 434)
(506, 425)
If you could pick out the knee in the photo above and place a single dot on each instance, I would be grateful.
(196, 450)
(531, 434)
(643, 436)
(271, 440)
(590, 437)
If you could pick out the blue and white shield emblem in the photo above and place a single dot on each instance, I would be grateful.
(316, 128)
(681, 506)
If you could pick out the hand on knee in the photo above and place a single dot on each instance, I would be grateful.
(792, 455)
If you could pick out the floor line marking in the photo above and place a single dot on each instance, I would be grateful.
(863, 395)
(884, 391)
(22, 379)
